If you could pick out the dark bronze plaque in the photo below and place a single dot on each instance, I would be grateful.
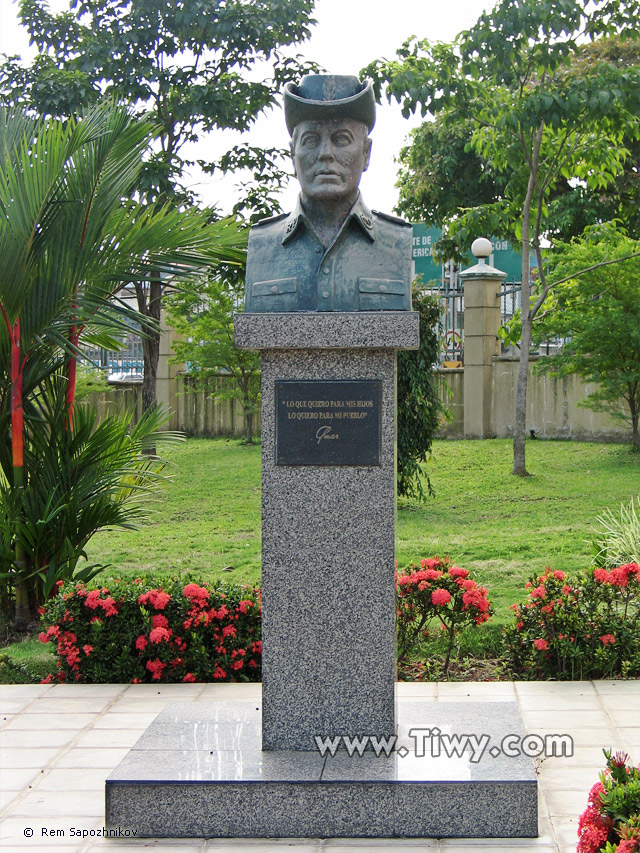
(328, 422)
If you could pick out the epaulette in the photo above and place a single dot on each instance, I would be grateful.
(269, 219)
(391, 218)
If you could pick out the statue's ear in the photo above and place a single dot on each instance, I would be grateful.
(367, 153)
(293, 158)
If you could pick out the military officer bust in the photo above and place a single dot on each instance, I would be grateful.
(331, 253)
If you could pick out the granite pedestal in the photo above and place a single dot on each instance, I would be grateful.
(328, 530)
(328, 632)
(199, 771)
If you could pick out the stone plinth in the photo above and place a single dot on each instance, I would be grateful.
(328, 619)
(198, 771)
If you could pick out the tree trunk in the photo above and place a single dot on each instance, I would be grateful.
(519, 434)
(150, 306)
(248, 417)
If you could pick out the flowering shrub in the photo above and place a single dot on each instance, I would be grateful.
(136, 632)
(578, 628)
(610, 822)
(437, 590)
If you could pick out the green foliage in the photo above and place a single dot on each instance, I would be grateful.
(578, 628)
(439, 592)
(618, 540)
(69, 241)
(189, 64)
(418, 409)
(81, 479)
(140, 632)
(203, 317)
(90, 380)
(541, 118)
(598, 313)
(610, 822)
(440, 174)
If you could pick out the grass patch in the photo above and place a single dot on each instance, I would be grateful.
(26, 662)
(501, 527)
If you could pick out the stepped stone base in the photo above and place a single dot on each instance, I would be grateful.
(199, 771)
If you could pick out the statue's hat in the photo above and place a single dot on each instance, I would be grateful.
(320, 96)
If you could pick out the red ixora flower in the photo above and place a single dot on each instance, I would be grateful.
(155, 667)
(440, 596)
(219, 673)
(195, 592)
(159, 635)
(157, 598)
(607, 639)
(456, 572)
(541, 644)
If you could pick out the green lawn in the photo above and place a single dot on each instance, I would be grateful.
(499, 526)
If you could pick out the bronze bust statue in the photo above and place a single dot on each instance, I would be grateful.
(331, 253)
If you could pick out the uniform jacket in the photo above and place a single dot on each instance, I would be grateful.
(366, 268)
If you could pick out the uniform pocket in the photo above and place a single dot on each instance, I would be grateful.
(278, 294)
(381, 294)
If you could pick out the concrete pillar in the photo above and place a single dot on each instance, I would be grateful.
(481, 342)
(166, 385)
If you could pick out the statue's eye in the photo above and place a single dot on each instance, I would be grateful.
(342, 139)
(309, 140)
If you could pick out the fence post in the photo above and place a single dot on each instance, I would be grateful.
(481, 342)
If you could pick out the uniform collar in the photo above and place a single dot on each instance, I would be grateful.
(359, 212)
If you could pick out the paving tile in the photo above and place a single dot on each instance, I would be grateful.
(166, 845)
(252, 845)
(48, 832)
(44, 722)
(100, 757)
(231, 691)
(132, 720)
(27, 847)
(31, 738)
(62, 704)
(15, 757)
(570, 720)
(525, 845)
(494, 692)
(629, 702)
(26, 691)
(618, 687)
(72, 779)
(83, 691)
(631, 742)
(382, 845)
(624, 717)
(173, 691)
(13, 706)
(417, 689)
(132, 704)
(7, 797)
(60, 804)
(108, 737)
(566, 803)
(549, 688)
(556, 702)
(18, 778)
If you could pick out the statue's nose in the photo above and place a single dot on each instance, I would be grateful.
(326, 150)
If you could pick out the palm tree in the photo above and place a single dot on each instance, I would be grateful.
(70, 237)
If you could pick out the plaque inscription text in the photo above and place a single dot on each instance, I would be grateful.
(328, 422)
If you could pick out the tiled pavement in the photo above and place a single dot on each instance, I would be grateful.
(58, 743)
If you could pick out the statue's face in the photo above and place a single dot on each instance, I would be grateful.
(329, 158)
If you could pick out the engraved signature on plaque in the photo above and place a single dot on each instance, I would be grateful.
(328, 422)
